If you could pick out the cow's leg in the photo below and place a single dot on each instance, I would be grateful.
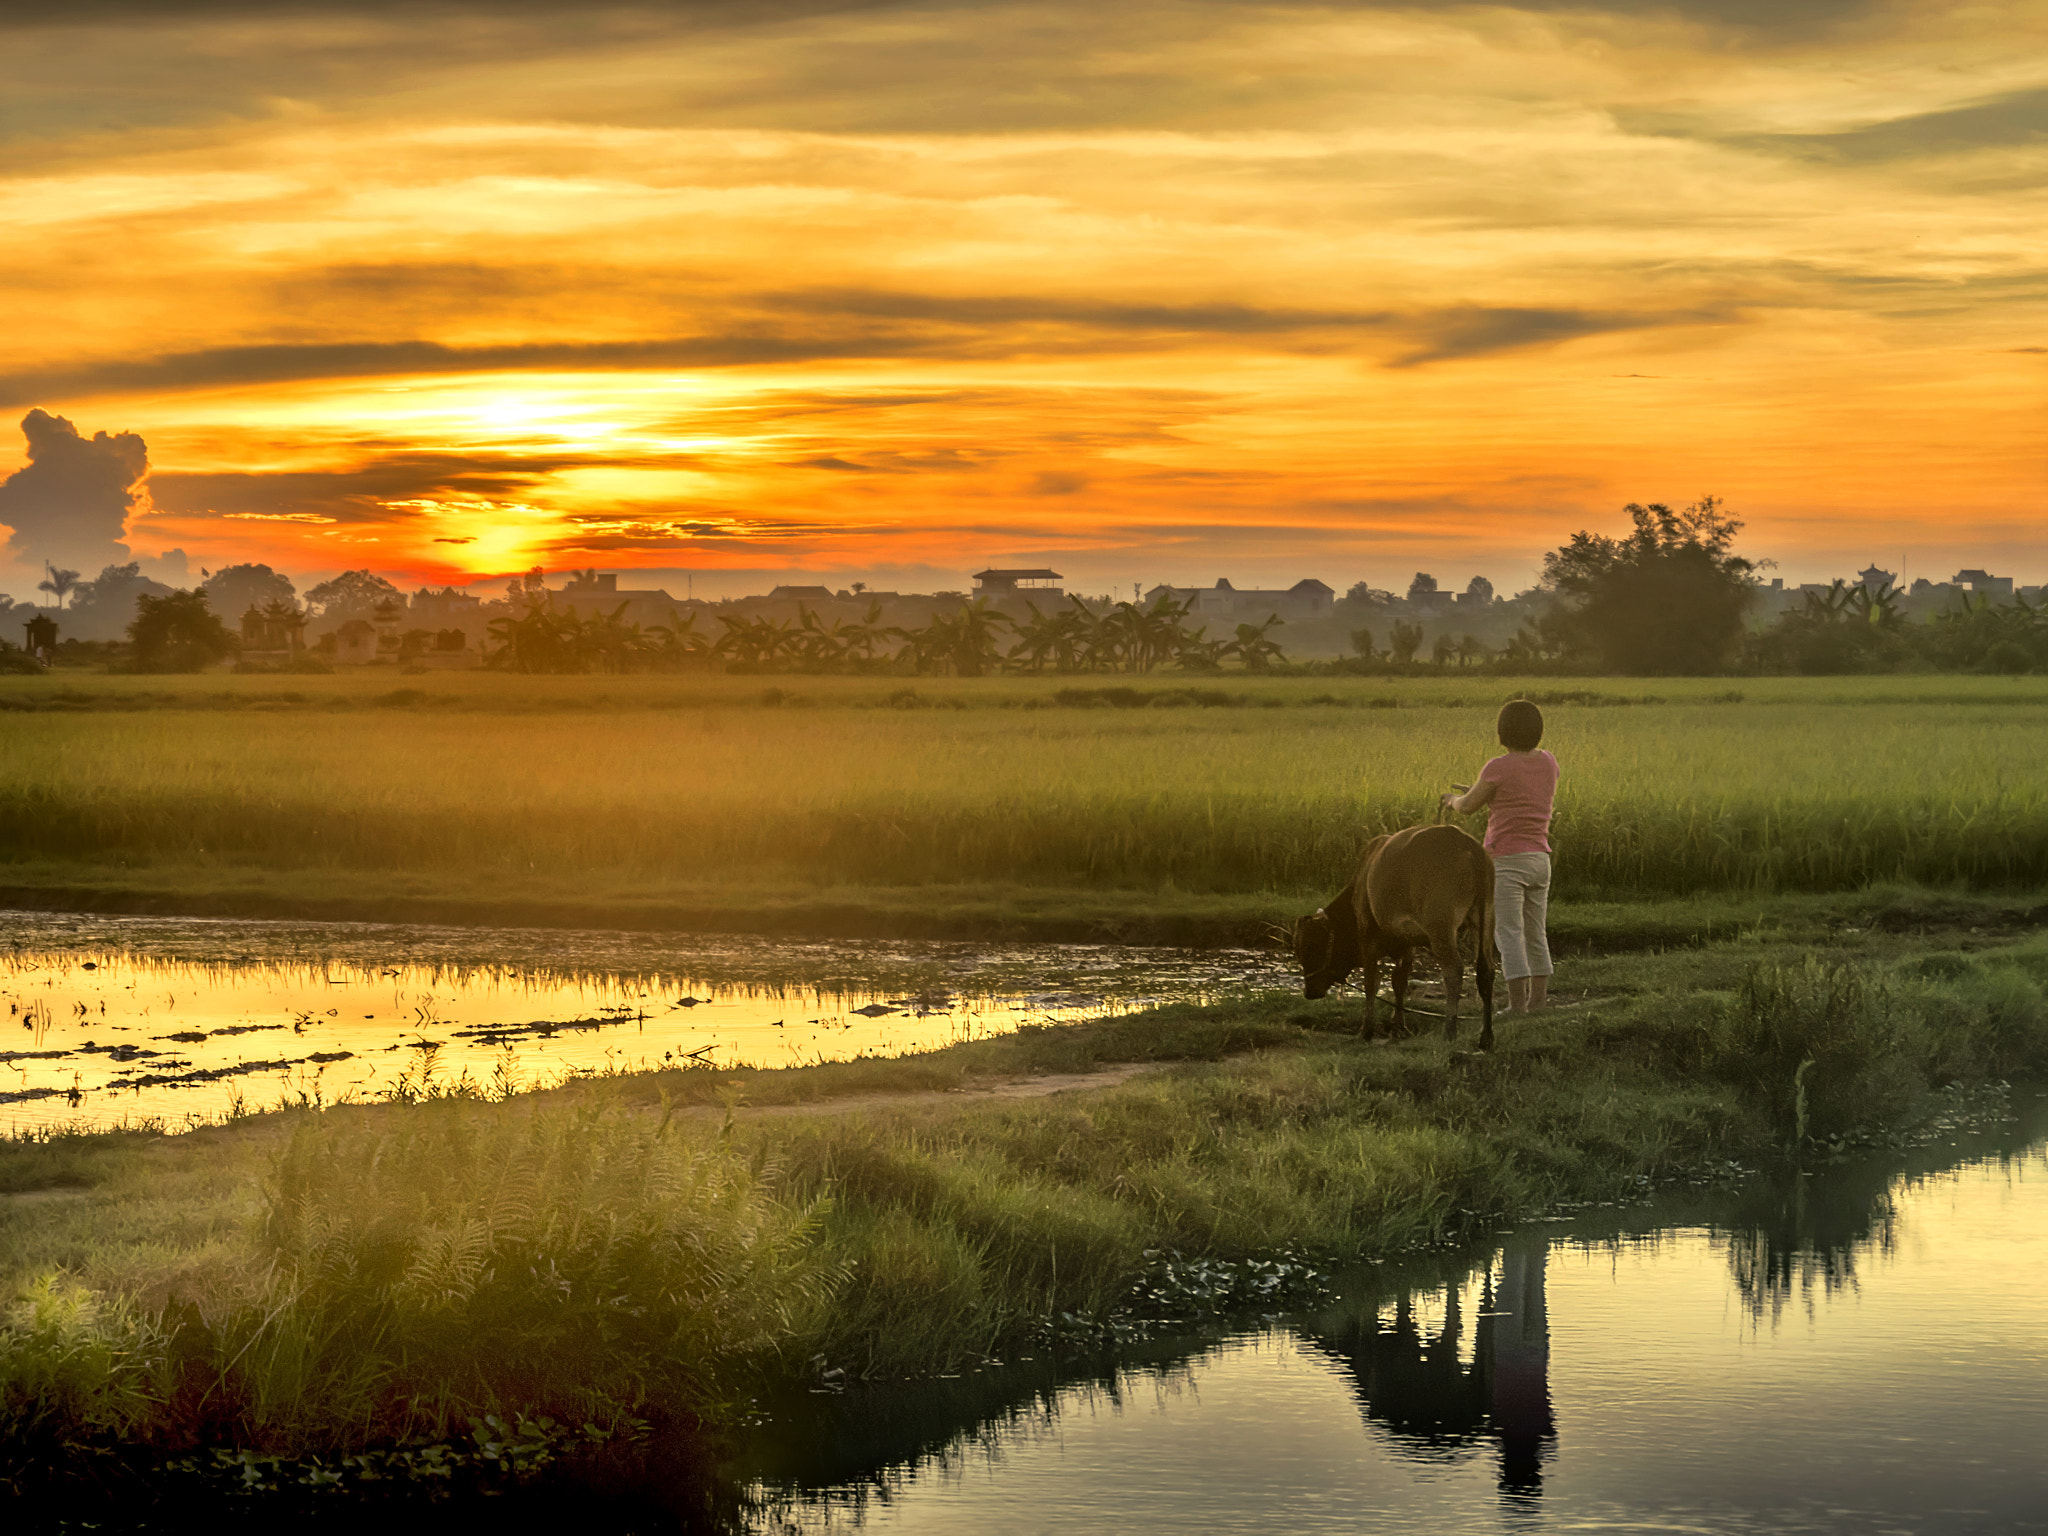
(1452, 965)
(1403, 967)
(1372, 994)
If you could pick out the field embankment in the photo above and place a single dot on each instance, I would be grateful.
(1155, 807)
(314, 1283)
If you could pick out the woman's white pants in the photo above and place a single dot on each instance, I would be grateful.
(1521, 899)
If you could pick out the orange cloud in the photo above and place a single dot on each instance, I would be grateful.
(1203, 289)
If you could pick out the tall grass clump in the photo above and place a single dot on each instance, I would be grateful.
(1823, 1050)
(458, 1259)
(77, 1367)
(1987, 1015)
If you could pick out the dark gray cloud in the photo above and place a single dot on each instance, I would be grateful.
(1057, 482)
(873, 325)
(1798, 18)
(912, 66)
(70, 503)
(15, 14)
(283, 362)
(362, 492)
(625, 531)
(1003, 309)
(1478, 330)
(2012, 120)
(2017, 118)
(835, 462)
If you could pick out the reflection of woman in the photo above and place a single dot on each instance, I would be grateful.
(1517, 790)
(1520, 1355)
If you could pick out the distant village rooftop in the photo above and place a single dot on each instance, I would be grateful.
(993, 580)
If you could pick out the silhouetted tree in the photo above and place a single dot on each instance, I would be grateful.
(102, 607)
(236, 589)
(1422, 586)
(352, 594)
(1667, 598)
(57, 583)
(178, 632)
(1257, 649)
(1847, 628)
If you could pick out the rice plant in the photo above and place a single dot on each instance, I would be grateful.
(1029, 787)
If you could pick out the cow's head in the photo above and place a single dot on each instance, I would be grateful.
(1326, 946)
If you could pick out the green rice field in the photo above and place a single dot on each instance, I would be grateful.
(1225, 786)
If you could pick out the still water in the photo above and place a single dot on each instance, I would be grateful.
(1861, 1350)
(176, 1022)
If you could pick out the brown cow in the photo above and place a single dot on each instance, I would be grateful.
(1422, 885)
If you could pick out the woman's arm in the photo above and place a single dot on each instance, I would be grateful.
(1478, 797)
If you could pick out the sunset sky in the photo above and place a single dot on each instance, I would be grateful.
(1146, 292)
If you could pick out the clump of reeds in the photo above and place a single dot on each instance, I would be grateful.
(569, 1258)
(429, 1265)
(1823, 1049)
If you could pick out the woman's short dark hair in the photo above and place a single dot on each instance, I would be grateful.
(1521, 726)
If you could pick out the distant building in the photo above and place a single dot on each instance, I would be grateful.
(1306, 599)
(42, 636)
(446, 650)
(997, 585)
(448, 607)
(271, 635)
(355, 643)
(1875, 579)
(800, 595)
(589, 594)
(1984, 584)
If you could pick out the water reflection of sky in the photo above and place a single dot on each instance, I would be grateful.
(133, 1019)
(1884, 1369)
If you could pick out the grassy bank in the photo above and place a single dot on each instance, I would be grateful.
(317, 1283)
(604, 793)
(987, 911)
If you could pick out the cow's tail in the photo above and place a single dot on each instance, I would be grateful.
(1483, 961)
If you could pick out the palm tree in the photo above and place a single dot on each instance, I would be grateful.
(674, 641)
(59, 583)
(864, 634)
(974, 638)
(754, 642)
(1254, 647)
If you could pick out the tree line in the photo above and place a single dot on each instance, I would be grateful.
(973, 640)
(1670, 596)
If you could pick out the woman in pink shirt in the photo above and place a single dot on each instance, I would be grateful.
(1517, 788)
